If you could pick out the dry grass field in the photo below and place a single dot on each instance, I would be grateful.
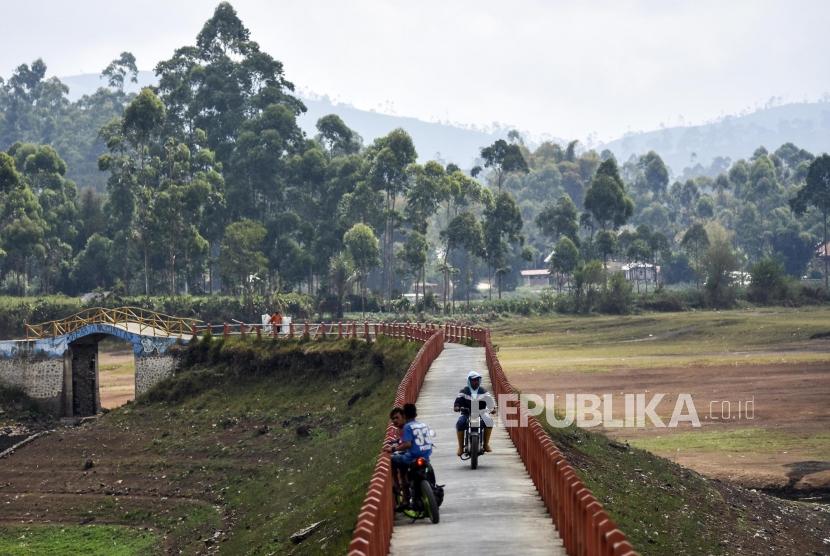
(116, 374)
(777, 358)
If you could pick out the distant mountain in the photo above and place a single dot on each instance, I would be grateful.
(432, 140)
(88, 83)
(436, 141)
(806, 124)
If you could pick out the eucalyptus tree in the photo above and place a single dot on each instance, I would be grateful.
(606, 198)
(655, 175)
(44, 171)
(695, 242)
(565, 260)
(464, 233)
(388, 159)
(188, 183)
(559, 220)
(22, 227)
(608, 203)
(414, 254)
(302, 223)
(120, 69)
(226, 86)
(93, 264)
(502, 228)
(337, 138)
(362, 246)
(430, 185)
(504, 158)
(341, 276)
(33, 106)
(132, 189)
(816, 193)
(242, 261)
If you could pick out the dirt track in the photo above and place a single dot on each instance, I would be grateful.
(116, 370)
(790, 403)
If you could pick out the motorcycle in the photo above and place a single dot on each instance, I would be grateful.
(426, 495)
(473, 438)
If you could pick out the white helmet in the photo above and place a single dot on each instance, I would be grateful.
(472, 375)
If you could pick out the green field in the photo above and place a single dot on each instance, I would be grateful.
(89, 540)
(737, 441)
(601, 343)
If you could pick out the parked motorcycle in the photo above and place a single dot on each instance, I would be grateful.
(426, 495)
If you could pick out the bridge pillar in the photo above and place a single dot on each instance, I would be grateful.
(152, 369)
(84, 397)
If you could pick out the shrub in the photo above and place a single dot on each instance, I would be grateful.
(15, 311)
(768, 282)
(617, 297)
(665, 300)
(16, 404)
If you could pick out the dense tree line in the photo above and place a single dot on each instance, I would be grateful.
(209, 184)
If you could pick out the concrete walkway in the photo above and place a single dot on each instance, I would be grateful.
(492, 510)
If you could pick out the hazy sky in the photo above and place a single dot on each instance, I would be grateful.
(569, 69)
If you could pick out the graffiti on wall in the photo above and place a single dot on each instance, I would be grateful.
(54, 348)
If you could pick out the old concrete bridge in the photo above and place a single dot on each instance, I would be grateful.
(57, 363)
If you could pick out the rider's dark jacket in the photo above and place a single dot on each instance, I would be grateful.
(464, 399)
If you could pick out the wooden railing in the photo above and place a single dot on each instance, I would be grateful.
(319, 330)
(142, 320)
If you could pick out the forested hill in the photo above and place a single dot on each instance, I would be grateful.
(691, 147)
(432, 140)
(212, 175)
(806, 124)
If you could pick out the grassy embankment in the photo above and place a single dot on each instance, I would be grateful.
(251, 443)
(666, 509)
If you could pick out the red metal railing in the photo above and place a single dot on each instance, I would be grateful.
(373, 531)
(585, 527)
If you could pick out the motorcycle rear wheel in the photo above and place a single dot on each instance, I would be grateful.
(430, 504)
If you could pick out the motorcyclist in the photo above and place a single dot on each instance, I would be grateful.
(464, 402)
(416, 441)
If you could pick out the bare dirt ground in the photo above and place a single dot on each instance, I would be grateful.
(782, 443)
(116, 372)
(106, 473)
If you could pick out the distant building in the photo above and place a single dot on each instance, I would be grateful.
(536, 278)
(428, 287)
(641, 272)
(633, 272)
(740, 278)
